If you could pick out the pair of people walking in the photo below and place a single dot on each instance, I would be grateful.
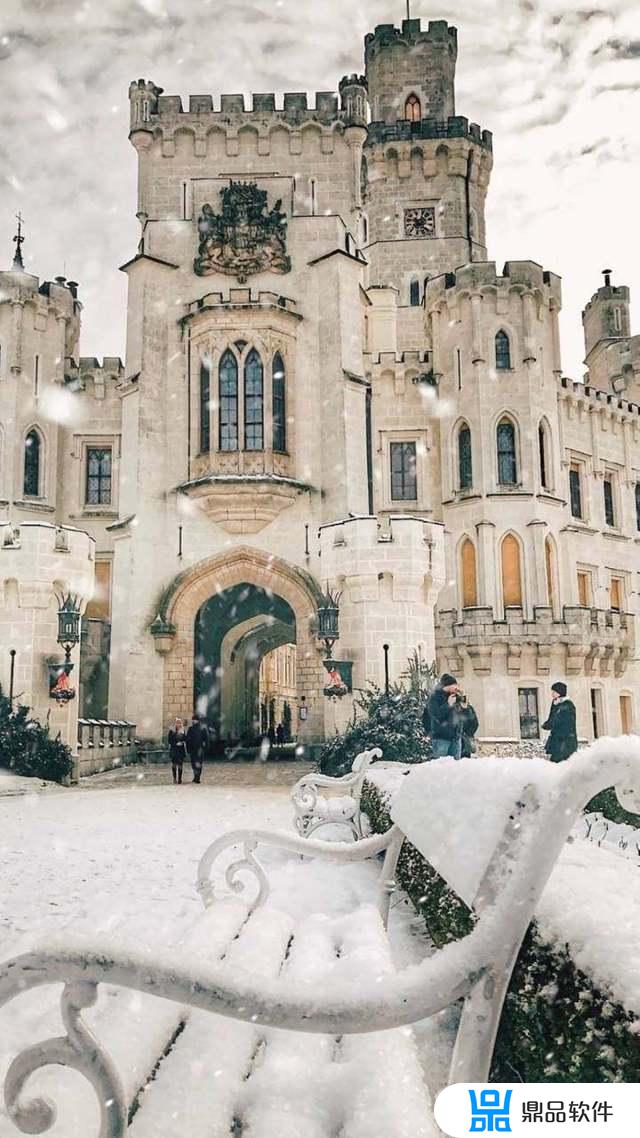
(192, 742)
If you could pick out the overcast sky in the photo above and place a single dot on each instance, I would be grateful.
(557, 81)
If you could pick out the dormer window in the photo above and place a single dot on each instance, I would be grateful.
(413, 109)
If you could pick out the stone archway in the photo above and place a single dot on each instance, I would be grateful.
(243, 565)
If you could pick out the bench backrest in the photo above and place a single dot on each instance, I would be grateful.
(457, 812)
(364, 760)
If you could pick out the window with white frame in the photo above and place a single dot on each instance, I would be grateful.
(404, 476)
(98, 480)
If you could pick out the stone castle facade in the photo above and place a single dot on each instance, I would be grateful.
(327, 385)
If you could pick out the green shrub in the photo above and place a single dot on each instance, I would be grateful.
(390, 721)
(27, 748)
(556, 1025)
(607, 803)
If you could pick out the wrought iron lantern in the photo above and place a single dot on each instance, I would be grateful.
(68, 623)
(329, 620)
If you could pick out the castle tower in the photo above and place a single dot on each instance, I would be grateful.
(611, 357)
(426, 169)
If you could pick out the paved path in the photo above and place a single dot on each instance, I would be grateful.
(248, 774)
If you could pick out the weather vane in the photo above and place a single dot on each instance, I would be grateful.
(18, 239)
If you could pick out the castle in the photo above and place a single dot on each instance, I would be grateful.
(327, 387)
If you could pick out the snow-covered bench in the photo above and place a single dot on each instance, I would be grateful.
(340, 806)
(167, 1066)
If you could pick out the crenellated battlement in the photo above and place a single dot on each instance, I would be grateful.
(607, 292)
(582, 394)
(150, 108)
(239, 298)
(457, 126)
(517, 276)
(439, 34)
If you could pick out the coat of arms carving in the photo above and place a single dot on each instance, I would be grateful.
(245, 238)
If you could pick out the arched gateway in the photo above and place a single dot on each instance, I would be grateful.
(246, 602)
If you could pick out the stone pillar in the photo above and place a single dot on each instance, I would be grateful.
(16, 346)
(529, 316)
(476, 328)
(487, 567)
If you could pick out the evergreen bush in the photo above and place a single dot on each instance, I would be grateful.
(556, 1025)
(27, 747)
(391, 721)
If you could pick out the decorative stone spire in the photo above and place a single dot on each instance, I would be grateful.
(18, 241)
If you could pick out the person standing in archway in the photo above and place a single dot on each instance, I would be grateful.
(197, 743)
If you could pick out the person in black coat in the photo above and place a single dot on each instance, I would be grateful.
(445, 720)
(561, 725)
(177, 739)
(197, 743)
(469, 727)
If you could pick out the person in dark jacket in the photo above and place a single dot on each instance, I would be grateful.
(197, 743)
(445, 718)
(469, 727)
(561, 725)
(177, 739)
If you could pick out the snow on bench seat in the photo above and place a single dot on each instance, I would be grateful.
(258, 1083)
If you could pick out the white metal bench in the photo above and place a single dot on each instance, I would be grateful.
(493, 828)
(341, 806)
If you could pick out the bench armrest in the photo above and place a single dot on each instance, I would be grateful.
(344, 852)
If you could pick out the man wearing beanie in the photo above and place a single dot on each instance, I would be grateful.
(561, 725)
(445, 718)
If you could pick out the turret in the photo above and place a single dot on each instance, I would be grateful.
(427, 169)
(411, 72)
(353, 95)
(606, 316)
(143, 99)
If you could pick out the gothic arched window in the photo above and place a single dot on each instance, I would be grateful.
(507, 465)
(414, 293)
(413, 109)
(465, 461)
(32, 465)
(469, 574)
(228, 386)
(253, 402)
(543, 455)
(503, 351)
(279, 404)
(511, 572)
(205, 399)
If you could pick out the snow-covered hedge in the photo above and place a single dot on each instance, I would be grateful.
(564, 1020)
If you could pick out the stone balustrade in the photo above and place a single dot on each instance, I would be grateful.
(594, 641)
(104, 744)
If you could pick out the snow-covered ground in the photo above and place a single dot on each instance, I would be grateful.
(123, 862)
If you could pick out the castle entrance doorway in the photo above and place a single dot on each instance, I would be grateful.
(241, 682)
(247, 604)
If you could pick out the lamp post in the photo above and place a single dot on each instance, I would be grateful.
(328, 620)
(385, 649)
(12, 653)
(68, 625)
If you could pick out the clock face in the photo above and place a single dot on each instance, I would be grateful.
(420, 222)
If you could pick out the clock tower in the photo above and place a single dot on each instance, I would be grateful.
(426, 169)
